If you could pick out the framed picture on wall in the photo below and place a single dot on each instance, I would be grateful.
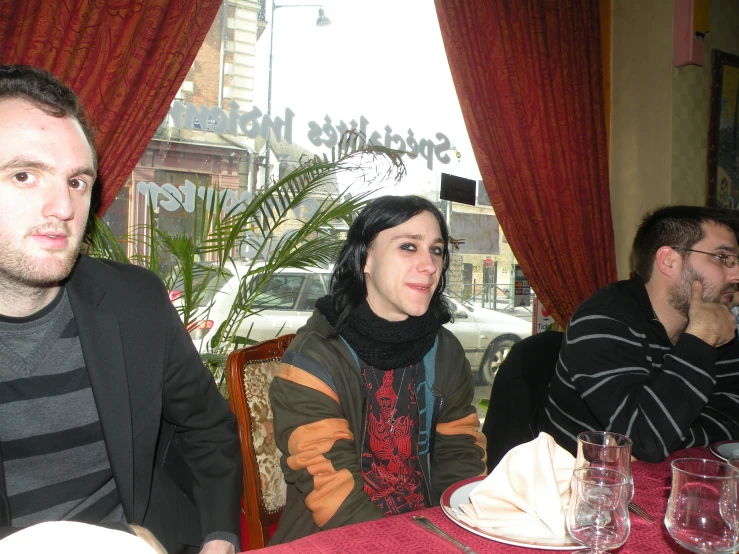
(723, 132)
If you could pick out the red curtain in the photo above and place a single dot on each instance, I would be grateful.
(528, 76)
(124, 58)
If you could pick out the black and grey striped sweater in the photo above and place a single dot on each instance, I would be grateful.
(53, 454)
(618, 371)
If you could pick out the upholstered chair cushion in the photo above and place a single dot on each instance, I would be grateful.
(257, 378)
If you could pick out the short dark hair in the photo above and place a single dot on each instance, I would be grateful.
(348, 286)
(676, 226)
(45, 92)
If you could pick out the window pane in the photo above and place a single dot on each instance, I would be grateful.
(270, 87)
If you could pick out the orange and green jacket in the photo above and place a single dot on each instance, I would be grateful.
(319, 402)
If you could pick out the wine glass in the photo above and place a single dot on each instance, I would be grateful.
(702, 511)
(607, 450)
(598, 514)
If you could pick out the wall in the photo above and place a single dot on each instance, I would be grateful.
(641, 115)
(691, 87)
(659, 117)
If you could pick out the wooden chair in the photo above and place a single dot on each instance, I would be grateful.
(249, 372)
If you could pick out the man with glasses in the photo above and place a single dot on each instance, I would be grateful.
(655, 357)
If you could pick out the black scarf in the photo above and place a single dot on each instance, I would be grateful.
(384, 344)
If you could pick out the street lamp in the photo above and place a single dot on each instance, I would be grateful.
(322, 21)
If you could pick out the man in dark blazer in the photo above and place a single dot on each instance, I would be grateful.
(107, 415)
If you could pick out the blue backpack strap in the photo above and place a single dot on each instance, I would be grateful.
(354, 354)
(429, 367)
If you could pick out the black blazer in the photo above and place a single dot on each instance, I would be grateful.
(171, 439)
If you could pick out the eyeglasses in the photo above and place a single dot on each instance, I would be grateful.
(729, 260)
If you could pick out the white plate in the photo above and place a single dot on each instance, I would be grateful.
(725, 449)
(460, 494)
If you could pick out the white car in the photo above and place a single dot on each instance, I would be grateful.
(288, 299)
(486, 336)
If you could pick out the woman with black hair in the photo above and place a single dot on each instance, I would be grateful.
(372, 403)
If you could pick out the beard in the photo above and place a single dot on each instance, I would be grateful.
(21, 268)
(679, 296)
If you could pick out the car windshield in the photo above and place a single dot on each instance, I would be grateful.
(459, 301)
(291, 291)
(279, 293)
(458, 306)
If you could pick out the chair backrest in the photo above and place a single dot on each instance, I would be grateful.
(249, 372)
(519, 392)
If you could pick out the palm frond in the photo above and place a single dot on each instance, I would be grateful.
(101, 241)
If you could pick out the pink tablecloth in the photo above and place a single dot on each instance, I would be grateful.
(399, 534)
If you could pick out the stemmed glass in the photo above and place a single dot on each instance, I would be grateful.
(607, 450)
(598, 514)
(702, 513)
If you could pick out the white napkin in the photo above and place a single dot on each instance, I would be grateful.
(528, 492)
(71, 537)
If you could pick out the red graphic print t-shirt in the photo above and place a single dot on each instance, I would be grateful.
(390, 465)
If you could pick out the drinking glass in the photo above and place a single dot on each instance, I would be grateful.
(607, 450)
(729, 507)
(702, 511)
(598, 514)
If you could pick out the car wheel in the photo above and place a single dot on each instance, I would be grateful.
(494, 356)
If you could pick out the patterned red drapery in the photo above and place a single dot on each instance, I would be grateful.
(124, 58)
(528, 77)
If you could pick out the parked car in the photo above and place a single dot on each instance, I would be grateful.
(289, 297)
(487, 336)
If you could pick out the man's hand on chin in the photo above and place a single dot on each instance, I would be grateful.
(218, 547)
(711, 322)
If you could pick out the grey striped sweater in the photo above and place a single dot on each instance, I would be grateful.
(54, 458)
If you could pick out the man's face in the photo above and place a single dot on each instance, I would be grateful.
(404, 265)
(719, 282)
(46, 177)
